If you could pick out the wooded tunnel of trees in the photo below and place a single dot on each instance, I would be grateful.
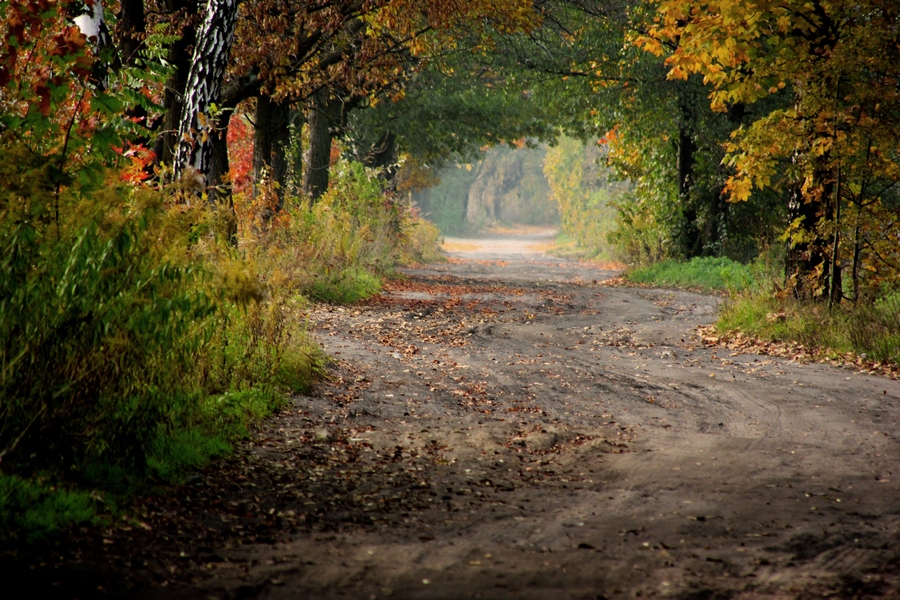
(175, 172)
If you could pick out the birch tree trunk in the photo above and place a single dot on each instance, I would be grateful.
(204, 85)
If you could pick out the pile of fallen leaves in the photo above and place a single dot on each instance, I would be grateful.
(747, 344)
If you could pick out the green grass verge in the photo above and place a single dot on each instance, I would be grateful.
(705, 274)
(568, 247)
(870, 330)
(34, 509)
(345, 287)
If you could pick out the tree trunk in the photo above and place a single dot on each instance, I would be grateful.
(130, 29)
(218, 156)
(691, 243)
(281, 143)
(807, 264)
(836, 288)
(857, 252)
(271, 141)
(685, 162)
(262, 141)
(294, 153)
(383, 155)
(180, 59)
(204, 85)
(218, 186)
(322, 120)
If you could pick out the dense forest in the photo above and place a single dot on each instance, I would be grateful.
(181, 178)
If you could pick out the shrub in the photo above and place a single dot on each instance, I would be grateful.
(423, 241)
(134, 344)
(339, 248)
(98, 326)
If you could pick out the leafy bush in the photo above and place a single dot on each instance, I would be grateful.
(133, 344)
(580, 185)
(423, 242)
(339, 248)
(98, 325)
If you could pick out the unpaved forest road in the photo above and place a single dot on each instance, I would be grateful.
(515, 430)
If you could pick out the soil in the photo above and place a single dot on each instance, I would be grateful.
(508, 425)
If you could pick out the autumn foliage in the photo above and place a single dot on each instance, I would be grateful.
(829, 71)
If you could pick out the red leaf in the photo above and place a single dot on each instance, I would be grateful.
(43, 93)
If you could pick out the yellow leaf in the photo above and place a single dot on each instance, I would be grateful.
(738, 188)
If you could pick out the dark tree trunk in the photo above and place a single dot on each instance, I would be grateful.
(204, 85)
(262, 141)
(294, 158)
(130, 29)
(836, 288)
(281, 143)
(322, 121)
(218, 157)
(691, 242)
(180, 59)
(218, 187)
(271, 141)
(857, 252)
(685, 162)
(808, 262)
(383, 157)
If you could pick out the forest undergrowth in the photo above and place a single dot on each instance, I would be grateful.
(144, 330)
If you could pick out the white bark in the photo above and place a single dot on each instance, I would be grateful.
(204, 85)
(91, 21)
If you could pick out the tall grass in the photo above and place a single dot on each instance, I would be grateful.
(339, 248)
(136, 343)
(707, 274)
(870, 330)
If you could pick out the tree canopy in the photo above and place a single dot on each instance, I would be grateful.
(734, 122)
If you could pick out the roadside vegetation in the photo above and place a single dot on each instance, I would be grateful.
(707, 274)
(139, 343)
(758, 307)
(866, 331)
(151, 317)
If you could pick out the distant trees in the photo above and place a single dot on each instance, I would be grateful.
(585, 70)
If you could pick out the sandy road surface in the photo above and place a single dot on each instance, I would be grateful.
(503, 426)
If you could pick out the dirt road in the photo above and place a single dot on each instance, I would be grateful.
(505, 425)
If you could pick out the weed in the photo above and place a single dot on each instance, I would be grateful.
(423, 242)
